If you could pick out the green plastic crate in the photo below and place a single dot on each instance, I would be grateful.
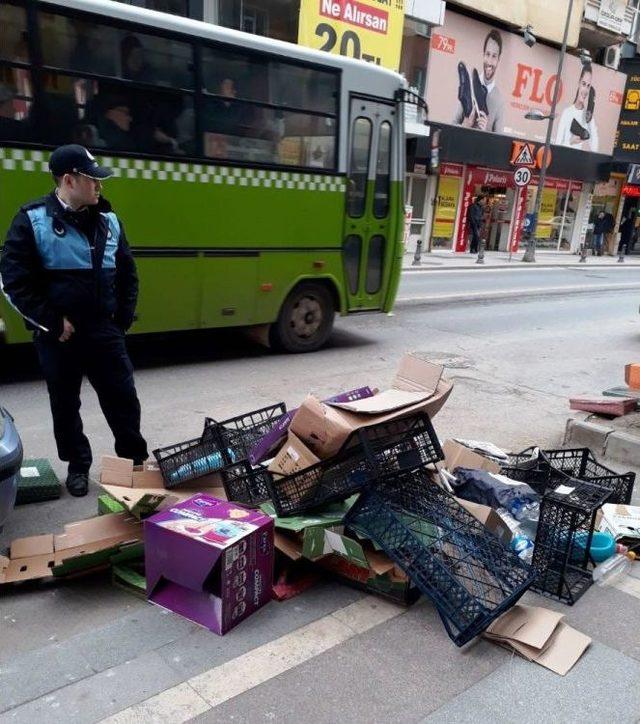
(37, 482)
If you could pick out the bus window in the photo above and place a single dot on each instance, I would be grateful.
(234, 75)
(304, 88)
(359, 167)
(383, 171)
(13, 21)
(374, 264)
(81, 46)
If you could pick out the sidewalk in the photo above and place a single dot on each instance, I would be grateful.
(441, 260)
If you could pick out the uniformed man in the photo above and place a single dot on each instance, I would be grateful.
(67, 269)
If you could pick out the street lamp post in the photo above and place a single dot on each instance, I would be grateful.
(530, 252)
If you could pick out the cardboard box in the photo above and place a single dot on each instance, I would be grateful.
(632, 375)
(539, 635)
(460, 456)
(489, 519)
(417, 387)
(141, 490)
(210, 561)
(293, 457)
(83, 546)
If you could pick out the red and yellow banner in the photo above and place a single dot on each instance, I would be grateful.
(369, 30)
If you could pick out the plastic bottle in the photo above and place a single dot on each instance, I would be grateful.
(523, 547)
(525, 508)
(610, 570)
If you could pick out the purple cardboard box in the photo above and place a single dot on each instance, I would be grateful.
(209, 560)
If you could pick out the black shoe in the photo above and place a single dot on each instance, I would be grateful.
(464, 90)
(78, 484)
(480, 92)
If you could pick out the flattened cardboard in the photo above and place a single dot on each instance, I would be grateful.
(293, 457)
(460, 456)
(290, 546)
(416, 380)
(538, 634)
(141, 502)
(82, 546)
(116, 471)
(528, 625)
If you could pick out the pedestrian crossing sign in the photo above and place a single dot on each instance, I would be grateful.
(522, 154)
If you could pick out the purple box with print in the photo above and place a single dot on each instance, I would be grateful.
(209, 560)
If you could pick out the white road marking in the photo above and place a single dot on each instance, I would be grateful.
(519, 268)
(224, 682)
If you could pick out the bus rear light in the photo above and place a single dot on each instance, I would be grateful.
(267, 287)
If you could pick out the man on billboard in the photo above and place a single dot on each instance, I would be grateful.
(480, 103)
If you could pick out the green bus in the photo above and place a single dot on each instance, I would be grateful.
(259, 182)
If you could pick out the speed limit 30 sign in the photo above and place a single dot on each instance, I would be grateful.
(522, 176)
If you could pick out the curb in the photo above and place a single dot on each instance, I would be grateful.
(432, 267)
(605, 441)
(512, 294)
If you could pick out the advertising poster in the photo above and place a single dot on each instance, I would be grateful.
(485, 78)
(446, 207)
(370, 30)
(547, 212)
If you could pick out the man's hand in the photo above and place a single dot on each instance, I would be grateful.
(482, 121)
(470, 120)
(67, 330)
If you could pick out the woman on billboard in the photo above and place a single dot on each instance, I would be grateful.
(577, 127)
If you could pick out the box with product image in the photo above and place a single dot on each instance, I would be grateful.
(210, 561)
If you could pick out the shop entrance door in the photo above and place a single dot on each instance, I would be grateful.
(498, 215)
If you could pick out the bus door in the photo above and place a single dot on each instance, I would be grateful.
(367, 245)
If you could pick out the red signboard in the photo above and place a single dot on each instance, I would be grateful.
(631, 191)
(451, 169)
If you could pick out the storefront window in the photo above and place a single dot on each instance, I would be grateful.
(558, 209)
(445, 210)
(606, 196)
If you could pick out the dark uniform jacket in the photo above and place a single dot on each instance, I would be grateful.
(58, 263)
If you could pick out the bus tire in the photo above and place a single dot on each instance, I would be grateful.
(305, 320)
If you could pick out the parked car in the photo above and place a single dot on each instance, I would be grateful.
(10, 462)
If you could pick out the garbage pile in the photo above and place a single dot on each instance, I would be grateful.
(358, 487)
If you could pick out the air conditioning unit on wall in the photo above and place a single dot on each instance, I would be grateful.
(611, 56)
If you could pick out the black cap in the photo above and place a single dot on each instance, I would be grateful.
(76, 159)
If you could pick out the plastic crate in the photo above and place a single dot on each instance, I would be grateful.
(453, 559)
(367, 453)
(190, 460)
(563, 570)
(581, 464)
(576, 463)
(37, 482)
(239, 434)
(246, 484)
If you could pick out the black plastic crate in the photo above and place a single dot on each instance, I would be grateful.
(580, 463)
(567, 515)
(367, 454)
(190, 460)
(576, 463)
(238, 435)
(244, 483)
(453, 559)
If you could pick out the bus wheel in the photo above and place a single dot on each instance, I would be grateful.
(305, 320)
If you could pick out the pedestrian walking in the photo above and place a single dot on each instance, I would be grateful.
(67, 269)
(627, 229)
(476, 221)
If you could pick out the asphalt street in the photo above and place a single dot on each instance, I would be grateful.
(83, 651)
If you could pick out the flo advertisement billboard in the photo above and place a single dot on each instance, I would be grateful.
(487, 79)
